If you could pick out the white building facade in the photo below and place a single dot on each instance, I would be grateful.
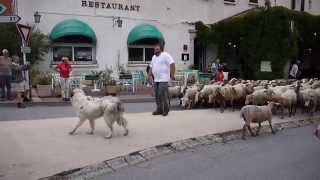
(95, 34)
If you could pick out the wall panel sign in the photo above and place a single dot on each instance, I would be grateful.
(110, 5)
(265, 66)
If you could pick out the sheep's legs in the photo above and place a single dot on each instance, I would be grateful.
(222, 106)
(81, 121)
(244, 131)
(258, 130)
(270, 124)
(282, 112)
(250, 130)
(91, 126)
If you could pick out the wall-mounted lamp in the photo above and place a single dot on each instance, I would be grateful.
(118, 21)
(37, 17)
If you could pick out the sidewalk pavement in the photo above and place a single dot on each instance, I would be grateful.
(35, 149)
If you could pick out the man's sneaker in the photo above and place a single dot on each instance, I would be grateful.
(156, 113)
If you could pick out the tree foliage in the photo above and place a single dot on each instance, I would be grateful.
(262, 35)
(10, 39)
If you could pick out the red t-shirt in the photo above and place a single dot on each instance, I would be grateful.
(219, 77)
(64, 70)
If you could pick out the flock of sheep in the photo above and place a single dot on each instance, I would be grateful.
(257, 99)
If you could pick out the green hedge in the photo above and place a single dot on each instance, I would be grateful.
(262, 35)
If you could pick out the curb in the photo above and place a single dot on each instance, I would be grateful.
(129, 100)
(137, 157)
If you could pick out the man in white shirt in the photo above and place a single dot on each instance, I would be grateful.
(162, 71)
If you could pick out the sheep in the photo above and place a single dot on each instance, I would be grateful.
(259, 97)
(256, 114)
(175, 92)
(188, 99)
(287, 99)
(315, 85)
(241, 92)
(308, 98)
(207, 93)
(225, 93)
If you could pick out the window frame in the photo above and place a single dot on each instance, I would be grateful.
(230, 2)
(144, 47)
(73, 46)
(254, 3)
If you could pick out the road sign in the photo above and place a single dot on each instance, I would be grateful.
(25, 49)
(24, 32)
(9, 19)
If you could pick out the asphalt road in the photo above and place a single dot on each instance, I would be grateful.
(289, 155)
(46, 112)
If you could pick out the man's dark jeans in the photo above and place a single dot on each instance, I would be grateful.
(162, 97)
(5, 82)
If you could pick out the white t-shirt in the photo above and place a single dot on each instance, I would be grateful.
(294, 70)
(161, 67)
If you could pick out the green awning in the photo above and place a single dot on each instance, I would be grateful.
(72, 27)
(144, 33)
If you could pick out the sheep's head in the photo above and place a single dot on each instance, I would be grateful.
(272, 104)
(249, 99)
(249, 88)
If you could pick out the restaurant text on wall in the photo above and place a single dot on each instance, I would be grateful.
(110, 5)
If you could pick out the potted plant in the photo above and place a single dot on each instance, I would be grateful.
(108, 82)
(43, 84)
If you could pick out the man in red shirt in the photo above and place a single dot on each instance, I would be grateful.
(64, 69)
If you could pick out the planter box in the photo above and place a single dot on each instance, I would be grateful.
(112, 90)
(44, 90)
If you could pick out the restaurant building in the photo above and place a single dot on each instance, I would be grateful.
(112, 33)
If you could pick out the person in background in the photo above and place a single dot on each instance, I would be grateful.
(20, 85)
(149, 79)
(162, 70)
(219, 75)
(64, 69)
(5, 74)
(214, 68)
(294, 71)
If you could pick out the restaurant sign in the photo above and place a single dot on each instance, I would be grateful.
(110, 5)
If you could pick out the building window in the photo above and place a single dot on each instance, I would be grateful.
(77, 53)
(83, 54)
(293, 4)
(140, 54)
(230, 2)
(60, 51)
(253, 1)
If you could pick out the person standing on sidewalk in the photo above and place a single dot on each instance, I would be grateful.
(20, 85)
(294, 71)
(162, 68)
(5, 74)
(64, 70)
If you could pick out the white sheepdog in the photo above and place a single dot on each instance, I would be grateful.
(91, 108)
